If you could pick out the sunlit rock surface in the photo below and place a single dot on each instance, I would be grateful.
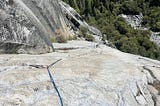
(86, 76)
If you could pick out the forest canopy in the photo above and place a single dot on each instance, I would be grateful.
(104, 14)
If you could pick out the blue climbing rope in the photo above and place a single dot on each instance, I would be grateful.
(53, 82)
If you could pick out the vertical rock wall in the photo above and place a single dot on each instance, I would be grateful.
(26, 26)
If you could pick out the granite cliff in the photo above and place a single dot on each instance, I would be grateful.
(26, 26)
(30, 26)
(89, 74)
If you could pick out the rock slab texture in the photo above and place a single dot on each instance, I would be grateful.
(26, 26)
(86, 76)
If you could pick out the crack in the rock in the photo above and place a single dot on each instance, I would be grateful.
(150, 71)
(121, 100)
(154, 99)
(156, 82)
(140, 91)
(156, 85)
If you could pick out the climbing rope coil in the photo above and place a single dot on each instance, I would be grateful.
(51, 78)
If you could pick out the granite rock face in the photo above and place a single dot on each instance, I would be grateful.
(133, 20)
(29, 26)
(26, 26)
(74, 21)
(155, 37)
(86, 76)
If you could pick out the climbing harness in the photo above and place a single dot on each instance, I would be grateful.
(51, 78)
